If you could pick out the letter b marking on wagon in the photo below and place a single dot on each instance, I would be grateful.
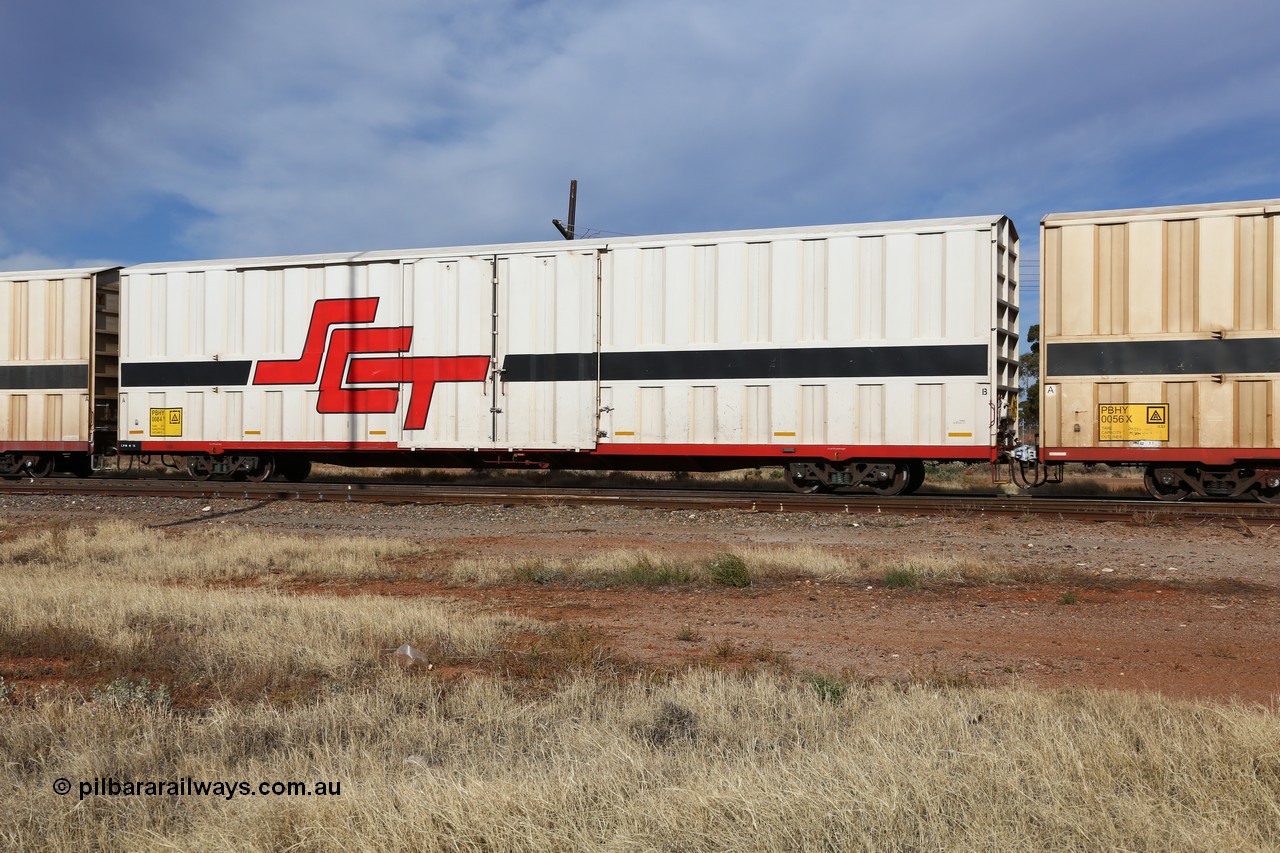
(337, 335)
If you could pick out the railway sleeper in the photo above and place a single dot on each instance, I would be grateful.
(884, 477)
(1171, 483)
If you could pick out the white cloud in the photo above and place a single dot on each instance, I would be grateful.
(30, 261)
(332, 125)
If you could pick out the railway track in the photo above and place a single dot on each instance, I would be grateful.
(1088, 508)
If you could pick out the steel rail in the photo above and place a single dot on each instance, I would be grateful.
(1144, 511)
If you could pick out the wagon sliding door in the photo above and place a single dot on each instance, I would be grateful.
(546, 346)
(446, 393)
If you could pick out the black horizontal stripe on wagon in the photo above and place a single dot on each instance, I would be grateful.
(791, 363)
(1176, 357)
(184, 374)
(653, 366)
(31, 377)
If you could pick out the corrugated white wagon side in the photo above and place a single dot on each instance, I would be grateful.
(848, 353)
(825, 349)
(1162, 344)
(258, 366)
(58, 352)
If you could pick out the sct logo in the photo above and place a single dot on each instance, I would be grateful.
(331, 355)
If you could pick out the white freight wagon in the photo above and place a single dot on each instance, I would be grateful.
(58, 364)
(1161, 345)
(847, 353)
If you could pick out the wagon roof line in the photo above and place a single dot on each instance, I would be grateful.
(864, 229)
(46, 275)
(1177, 211)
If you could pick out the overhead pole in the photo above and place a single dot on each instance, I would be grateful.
(568, 231)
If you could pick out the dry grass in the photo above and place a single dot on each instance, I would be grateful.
(708, 762)
(124, 550)
(649, 568)
(106, 603)
(233, 642)
(830, 565)
(299, 688)
(608, 568)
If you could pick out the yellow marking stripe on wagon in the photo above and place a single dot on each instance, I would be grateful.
(377, 432)
(780, 434)
(959, 435)
(620, 432)
(253, 432)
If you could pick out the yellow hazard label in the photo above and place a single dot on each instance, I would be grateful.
(166, 423)
(1133, 422)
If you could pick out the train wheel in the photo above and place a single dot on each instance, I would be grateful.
(9, 466)
(294, 470)
(915, 479)
(42, 467)
(1165, 484)
(265, 468)
(800, 485)
(895, 485)
(1269, 489)
(199, 468)
(80, 465)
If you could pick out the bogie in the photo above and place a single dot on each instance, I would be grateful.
(252, 467)
(1166, 484)
(802, 480)
(1174, 483)
(884, 478)
(15, 466)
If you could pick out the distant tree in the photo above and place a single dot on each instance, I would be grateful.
(1029, 379)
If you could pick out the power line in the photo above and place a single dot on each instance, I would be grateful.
(583, 232)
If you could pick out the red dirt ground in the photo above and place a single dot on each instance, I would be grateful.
(1186, 611)
(1218, 642)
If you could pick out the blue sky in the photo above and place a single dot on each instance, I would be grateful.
(140, 131)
